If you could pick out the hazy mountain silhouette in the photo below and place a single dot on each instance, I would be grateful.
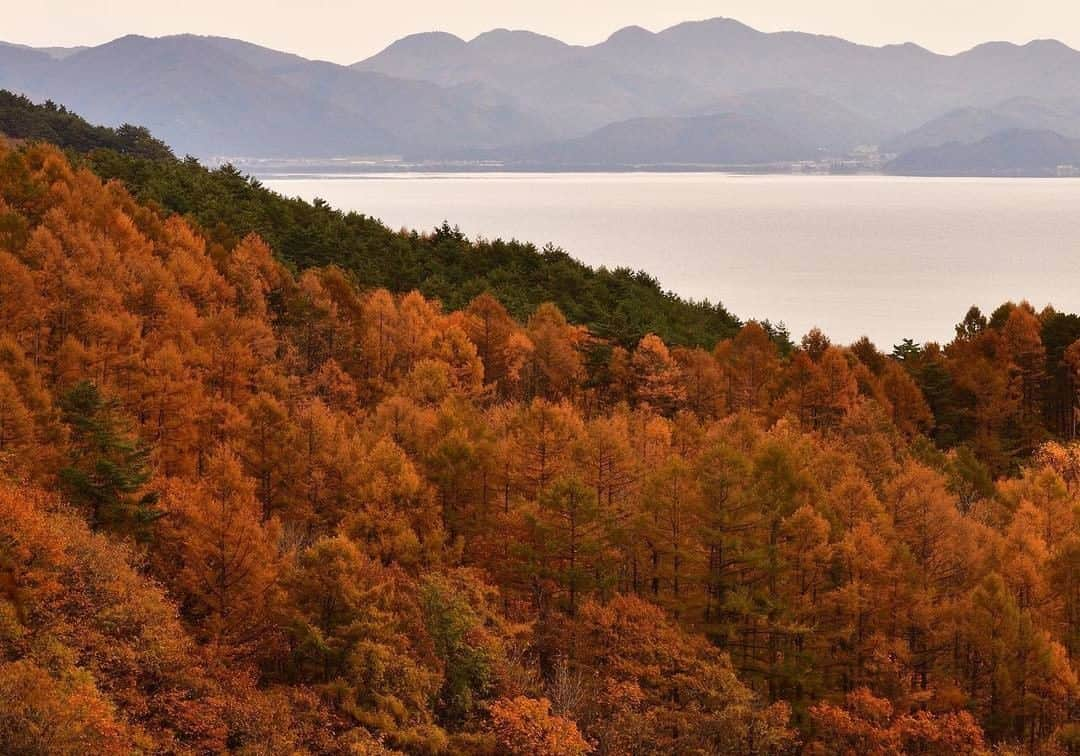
(708, 140)
(202, 99)
(1015, 152)
(17, 60)
(214, 96)
(967, 125)
(509, 93)
(902, 86)
(56, 53)
(816, 121)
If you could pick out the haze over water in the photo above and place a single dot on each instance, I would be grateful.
(881, 256)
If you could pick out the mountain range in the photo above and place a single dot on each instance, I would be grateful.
(703, 92)
(1007, 153)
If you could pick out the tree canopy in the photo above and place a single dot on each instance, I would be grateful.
(253, 507)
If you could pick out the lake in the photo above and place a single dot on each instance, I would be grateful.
(861, 255)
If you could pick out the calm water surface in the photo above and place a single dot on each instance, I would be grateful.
(881, 256)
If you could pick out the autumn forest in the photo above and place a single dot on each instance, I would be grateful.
(261, 495)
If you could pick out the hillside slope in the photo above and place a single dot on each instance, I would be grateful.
(247, 509)
(621, 304)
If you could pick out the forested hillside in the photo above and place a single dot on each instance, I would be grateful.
(24, 120)
(621, 303)
(249, 506)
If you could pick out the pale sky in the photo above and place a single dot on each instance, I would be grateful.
(345, 31)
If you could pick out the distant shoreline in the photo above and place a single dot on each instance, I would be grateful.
(269, 167)
(323, 171)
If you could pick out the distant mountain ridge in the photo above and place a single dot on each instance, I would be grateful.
(56, 53)
(905, 85)
(1010, 153)
(214, 96)
(973, 124)
(717, 140)
(511, 93)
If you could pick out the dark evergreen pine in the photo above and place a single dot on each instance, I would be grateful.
(108, 465)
